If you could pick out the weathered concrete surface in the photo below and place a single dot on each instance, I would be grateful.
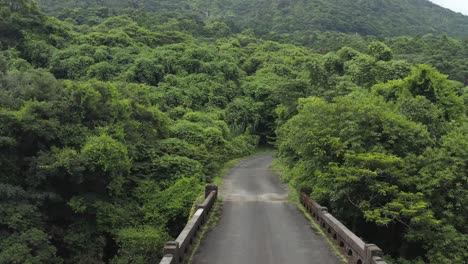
(259, 225)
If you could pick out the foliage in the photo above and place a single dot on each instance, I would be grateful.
(112, 119)
(377, 154)
(368, 17)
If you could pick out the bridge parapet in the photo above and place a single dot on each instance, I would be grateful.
(176, 251)
(356, 250)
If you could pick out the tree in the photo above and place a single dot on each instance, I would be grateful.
(380, 51)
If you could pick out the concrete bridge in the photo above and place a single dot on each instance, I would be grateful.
(260, 225)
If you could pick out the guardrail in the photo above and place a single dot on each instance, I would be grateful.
(176, 251)
(356, 251)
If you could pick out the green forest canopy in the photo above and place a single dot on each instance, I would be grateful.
(299, 17)
(111, 121)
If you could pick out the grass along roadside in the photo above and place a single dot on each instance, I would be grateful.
(293, 196)
(316, 228)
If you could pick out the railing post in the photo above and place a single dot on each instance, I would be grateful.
(172, 248)
(372, 251)
(209, 188)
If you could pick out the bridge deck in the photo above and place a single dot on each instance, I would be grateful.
(259, 224)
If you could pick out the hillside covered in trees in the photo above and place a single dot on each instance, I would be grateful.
(300, 17)
(112, 120)
(426, 33)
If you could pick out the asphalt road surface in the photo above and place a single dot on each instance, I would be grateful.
(259, 224)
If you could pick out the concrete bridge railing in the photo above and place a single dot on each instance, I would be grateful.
(176, 251)
(356, 250)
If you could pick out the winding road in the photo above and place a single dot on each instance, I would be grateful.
(259, 225)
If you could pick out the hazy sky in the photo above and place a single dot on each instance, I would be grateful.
(456, 5)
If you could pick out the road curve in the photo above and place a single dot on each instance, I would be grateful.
(259, 225)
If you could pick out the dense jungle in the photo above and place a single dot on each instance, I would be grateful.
(115, 113)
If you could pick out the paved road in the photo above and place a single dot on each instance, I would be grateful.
(259, 225)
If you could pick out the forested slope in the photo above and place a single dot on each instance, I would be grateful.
(110, 124)
(423, 29)
(365, 17)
